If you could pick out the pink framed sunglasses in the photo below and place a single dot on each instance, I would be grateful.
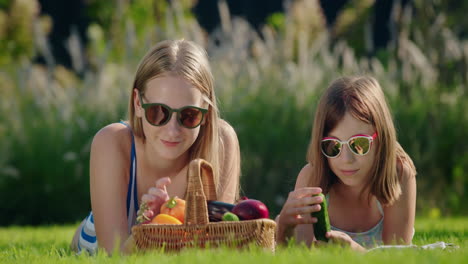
(359, 144)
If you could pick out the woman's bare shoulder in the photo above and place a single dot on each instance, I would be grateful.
(230, 162)
(114, 137)
(227, 132)
(228, 137)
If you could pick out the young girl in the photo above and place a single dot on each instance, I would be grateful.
(355, 160)
(173, 119)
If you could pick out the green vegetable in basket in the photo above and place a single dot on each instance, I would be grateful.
(230, 217)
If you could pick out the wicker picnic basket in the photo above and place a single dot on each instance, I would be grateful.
(197, 231)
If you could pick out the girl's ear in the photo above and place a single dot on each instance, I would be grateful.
(139, 111)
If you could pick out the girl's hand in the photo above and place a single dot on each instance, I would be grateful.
(344, 239)
(155, 198)
(297, 209)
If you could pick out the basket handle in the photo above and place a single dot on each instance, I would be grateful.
(200, 188)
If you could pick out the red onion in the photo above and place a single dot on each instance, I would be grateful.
(251, 209)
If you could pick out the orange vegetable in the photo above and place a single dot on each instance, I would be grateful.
(174, 207)
(165, 219)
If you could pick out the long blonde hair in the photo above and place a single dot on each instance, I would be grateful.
(364, 99)
(188, 60)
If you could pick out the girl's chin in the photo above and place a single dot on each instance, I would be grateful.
(350, 182)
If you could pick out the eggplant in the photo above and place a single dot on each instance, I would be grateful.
(217, 209)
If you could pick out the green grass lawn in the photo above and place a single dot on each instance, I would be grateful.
(50, 245)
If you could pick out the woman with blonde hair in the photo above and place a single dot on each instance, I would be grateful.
(173, 119)
(355, 160)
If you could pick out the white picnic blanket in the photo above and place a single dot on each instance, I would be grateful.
(437, 245)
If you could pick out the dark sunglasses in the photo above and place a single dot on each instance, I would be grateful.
(358, 144)
(159, 114)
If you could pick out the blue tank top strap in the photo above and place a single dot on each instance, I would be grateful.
(380, 207)
(132, 192)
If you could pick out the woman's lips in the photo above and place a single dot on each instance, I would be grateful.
(169, 143)
(349, 172)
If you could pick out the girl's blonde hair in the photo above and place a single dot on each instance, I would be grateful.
(188, 60)
(364, 99)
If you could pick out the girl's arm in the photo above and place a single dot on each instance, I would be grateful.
(230, 164)
(109, 166)
(399, 217)
(295, 219)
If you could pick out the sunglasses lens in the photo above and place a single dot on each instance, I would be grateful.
(157, 115)
(359, 145)
(191, 117)
(331, 148)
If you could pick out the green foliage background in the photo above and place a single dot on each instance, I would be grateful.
(268, 87)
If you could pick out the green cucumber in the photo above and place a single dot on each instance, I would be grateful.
(323, 222)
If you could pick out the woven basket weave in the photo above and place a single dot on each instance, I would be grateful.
(197, 231)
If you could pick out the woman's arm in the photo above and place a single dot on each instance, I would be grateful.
(109, 166)
(399, 217)
(229, 163)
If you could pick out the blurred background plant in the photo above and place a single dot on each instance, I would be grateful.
(268, 81)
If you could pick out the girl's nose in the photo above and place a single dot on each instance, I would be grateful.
(347, 155)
